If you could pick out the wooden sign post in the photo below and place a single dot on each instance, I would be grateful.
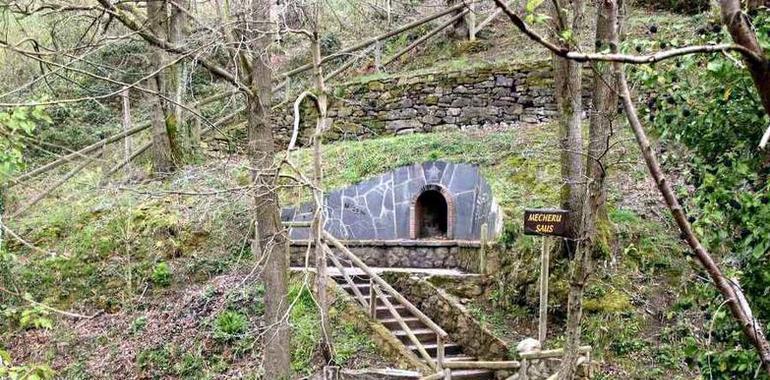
(545, 222)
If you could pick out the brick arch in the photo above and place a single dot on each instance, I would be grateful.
(450, 205)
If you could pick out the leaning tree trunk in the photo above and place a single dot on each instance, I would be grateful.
(163, 162)
(569, 99)
(271, 237)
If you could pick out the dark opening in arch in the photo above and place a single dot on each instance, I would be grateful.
(431, 214)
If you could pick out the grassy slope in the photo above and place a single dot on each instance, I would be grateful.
(631, 313)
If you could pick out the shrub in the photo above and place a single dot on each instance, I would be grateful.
(161, 274)
(230, 325)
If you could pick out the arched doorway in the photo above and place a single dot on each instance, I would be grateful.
(431, 215)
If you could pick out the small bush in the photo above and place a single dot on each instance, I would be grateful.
(230, 325)
(161, 274)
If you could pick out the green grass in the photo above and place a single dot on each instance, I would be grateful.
(518, 164)
(348, 341)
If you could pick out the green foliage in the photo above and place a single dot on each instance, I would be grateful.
(139, 324)
(155, 362)
(350, 343)
(16, 125)
(230, 325)
(305, 330)
(161, 274)
(709, 104)
(23, 372)
(32, 317)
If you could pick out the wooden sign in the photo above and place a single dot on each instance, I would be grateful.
(551, 222)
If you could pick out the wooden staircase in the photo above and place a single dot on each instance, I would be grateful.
(427, 337)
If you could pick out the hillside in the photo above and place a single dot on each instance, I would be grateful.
(149, 271)
(188, 241)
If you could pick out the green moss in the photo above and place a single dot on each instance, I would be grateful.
(611, 302)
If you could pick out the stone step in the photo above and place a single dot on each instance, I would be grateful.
(431, 348)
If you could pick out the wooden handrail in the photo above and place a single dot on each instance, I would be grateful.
(350, 282)
(438, 375)
(482, 365)
(407, 330)
(385, 286)
(555, 353)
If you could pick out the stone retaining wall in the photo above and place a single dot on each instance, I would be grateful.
(402, 254)
(434, 101)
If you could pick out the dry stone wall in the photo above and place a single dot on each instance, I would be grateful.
(434, 101)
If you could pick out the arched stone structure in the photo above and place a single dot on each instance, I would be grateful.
(385, 207)
(418, 212)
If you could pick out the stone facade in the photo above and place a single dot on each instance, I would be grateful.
(434, 101)
(387, 207)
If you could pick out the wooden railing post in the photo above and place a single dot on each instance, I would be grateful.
(472, 22)
(378, 56)
(447, 374)
(483, 249)
(523, 369)
(373, 294)
(356, 292)
(439, 352)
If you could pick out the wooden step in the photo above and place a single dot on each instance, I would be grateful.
(431, 348)
(472, 374)
(383, 311)
(392, 324)
(423, 335)
(459, 358)
(364, 288)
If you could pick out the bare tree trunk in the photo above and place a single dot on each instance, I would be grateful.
(318, 195)
(605, 107)
(568, 92)
(568, 80)
(271, 235)
(185, 140)
(605, 104)
(157, 18)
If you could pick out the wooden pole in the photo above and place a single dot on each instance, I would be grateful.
(126, 124)
(472, 22)
(543, 321)
(378, 56)
(483, 249)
